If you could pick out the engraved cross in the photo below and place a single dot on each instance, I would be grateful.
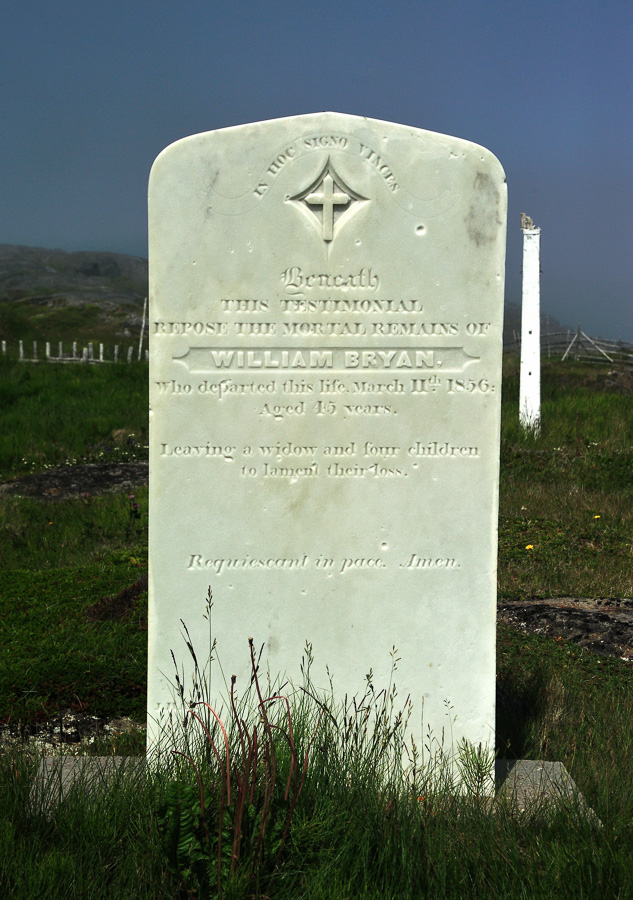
(328, 199)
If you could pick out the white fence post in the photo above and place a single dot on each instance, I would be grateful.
(34, 351)
(21, 350)
(530, 373)
(129, 354)
(100, 352)
(140, 343)
(116, 352)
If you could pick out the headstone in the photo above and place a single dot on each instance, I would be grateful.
(326, 296)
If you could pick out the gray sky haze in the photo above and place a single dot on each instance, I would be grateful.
(91, 92)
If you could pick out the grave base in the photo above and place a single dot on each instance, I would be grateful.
(528, 785)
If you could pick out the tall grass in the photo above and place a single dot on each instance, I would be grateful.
(358, 826)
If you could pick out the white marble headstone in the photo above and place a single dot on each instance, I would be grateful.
(326, 296)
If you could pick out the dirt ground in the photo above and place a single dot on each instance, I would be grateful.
(66, 482)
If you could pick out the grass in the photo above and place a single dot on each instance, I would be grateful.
(565, 494)
(54, 414)
(58, 320)
(57, 657)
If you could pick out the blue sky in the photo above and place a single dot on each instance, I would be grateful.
(91, 92)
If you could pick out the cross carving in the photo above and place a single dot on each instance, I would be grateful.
(328, 198)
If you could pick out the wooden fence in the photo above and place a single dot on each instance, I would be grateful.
(74, 353)
(570, 345)
(555, 345)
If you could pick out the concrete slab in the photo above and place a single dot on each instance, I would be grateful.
(528, 784)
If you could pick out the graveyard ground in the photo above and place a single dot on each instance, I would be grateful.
(73, 632)
(73, 476)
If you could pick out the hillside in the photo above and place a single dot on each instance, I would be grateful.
(54, 295)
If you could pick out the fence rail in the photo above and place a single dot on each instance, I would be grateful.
(75, 352)
(554, 345)
(570, 345)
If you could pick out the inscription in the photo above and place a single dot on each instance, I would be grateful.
(414, 329)
(428, 562)
(419, 387)
(345, 306)
(197, 561)
(263, 329)
(380, 165)
(346, 564)
(243, 306)
(190, 328)
(198, 450)
(324, 329)
(336, 470)
(295, 282)
(438, 448)
(270, 471)
(323, 142)
(290, 460)
(207, 359)
(218, 389)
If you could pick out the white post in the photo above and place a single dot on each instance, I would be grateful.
(21, 350)
(84, 354)
(4, 347)
(130, 352)
(48, 350)
(60, 352)
(100, 352)
(140, 343)
(34, 351)
(91, 352)
(74, 349)
(530, 374)
(116, 352)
